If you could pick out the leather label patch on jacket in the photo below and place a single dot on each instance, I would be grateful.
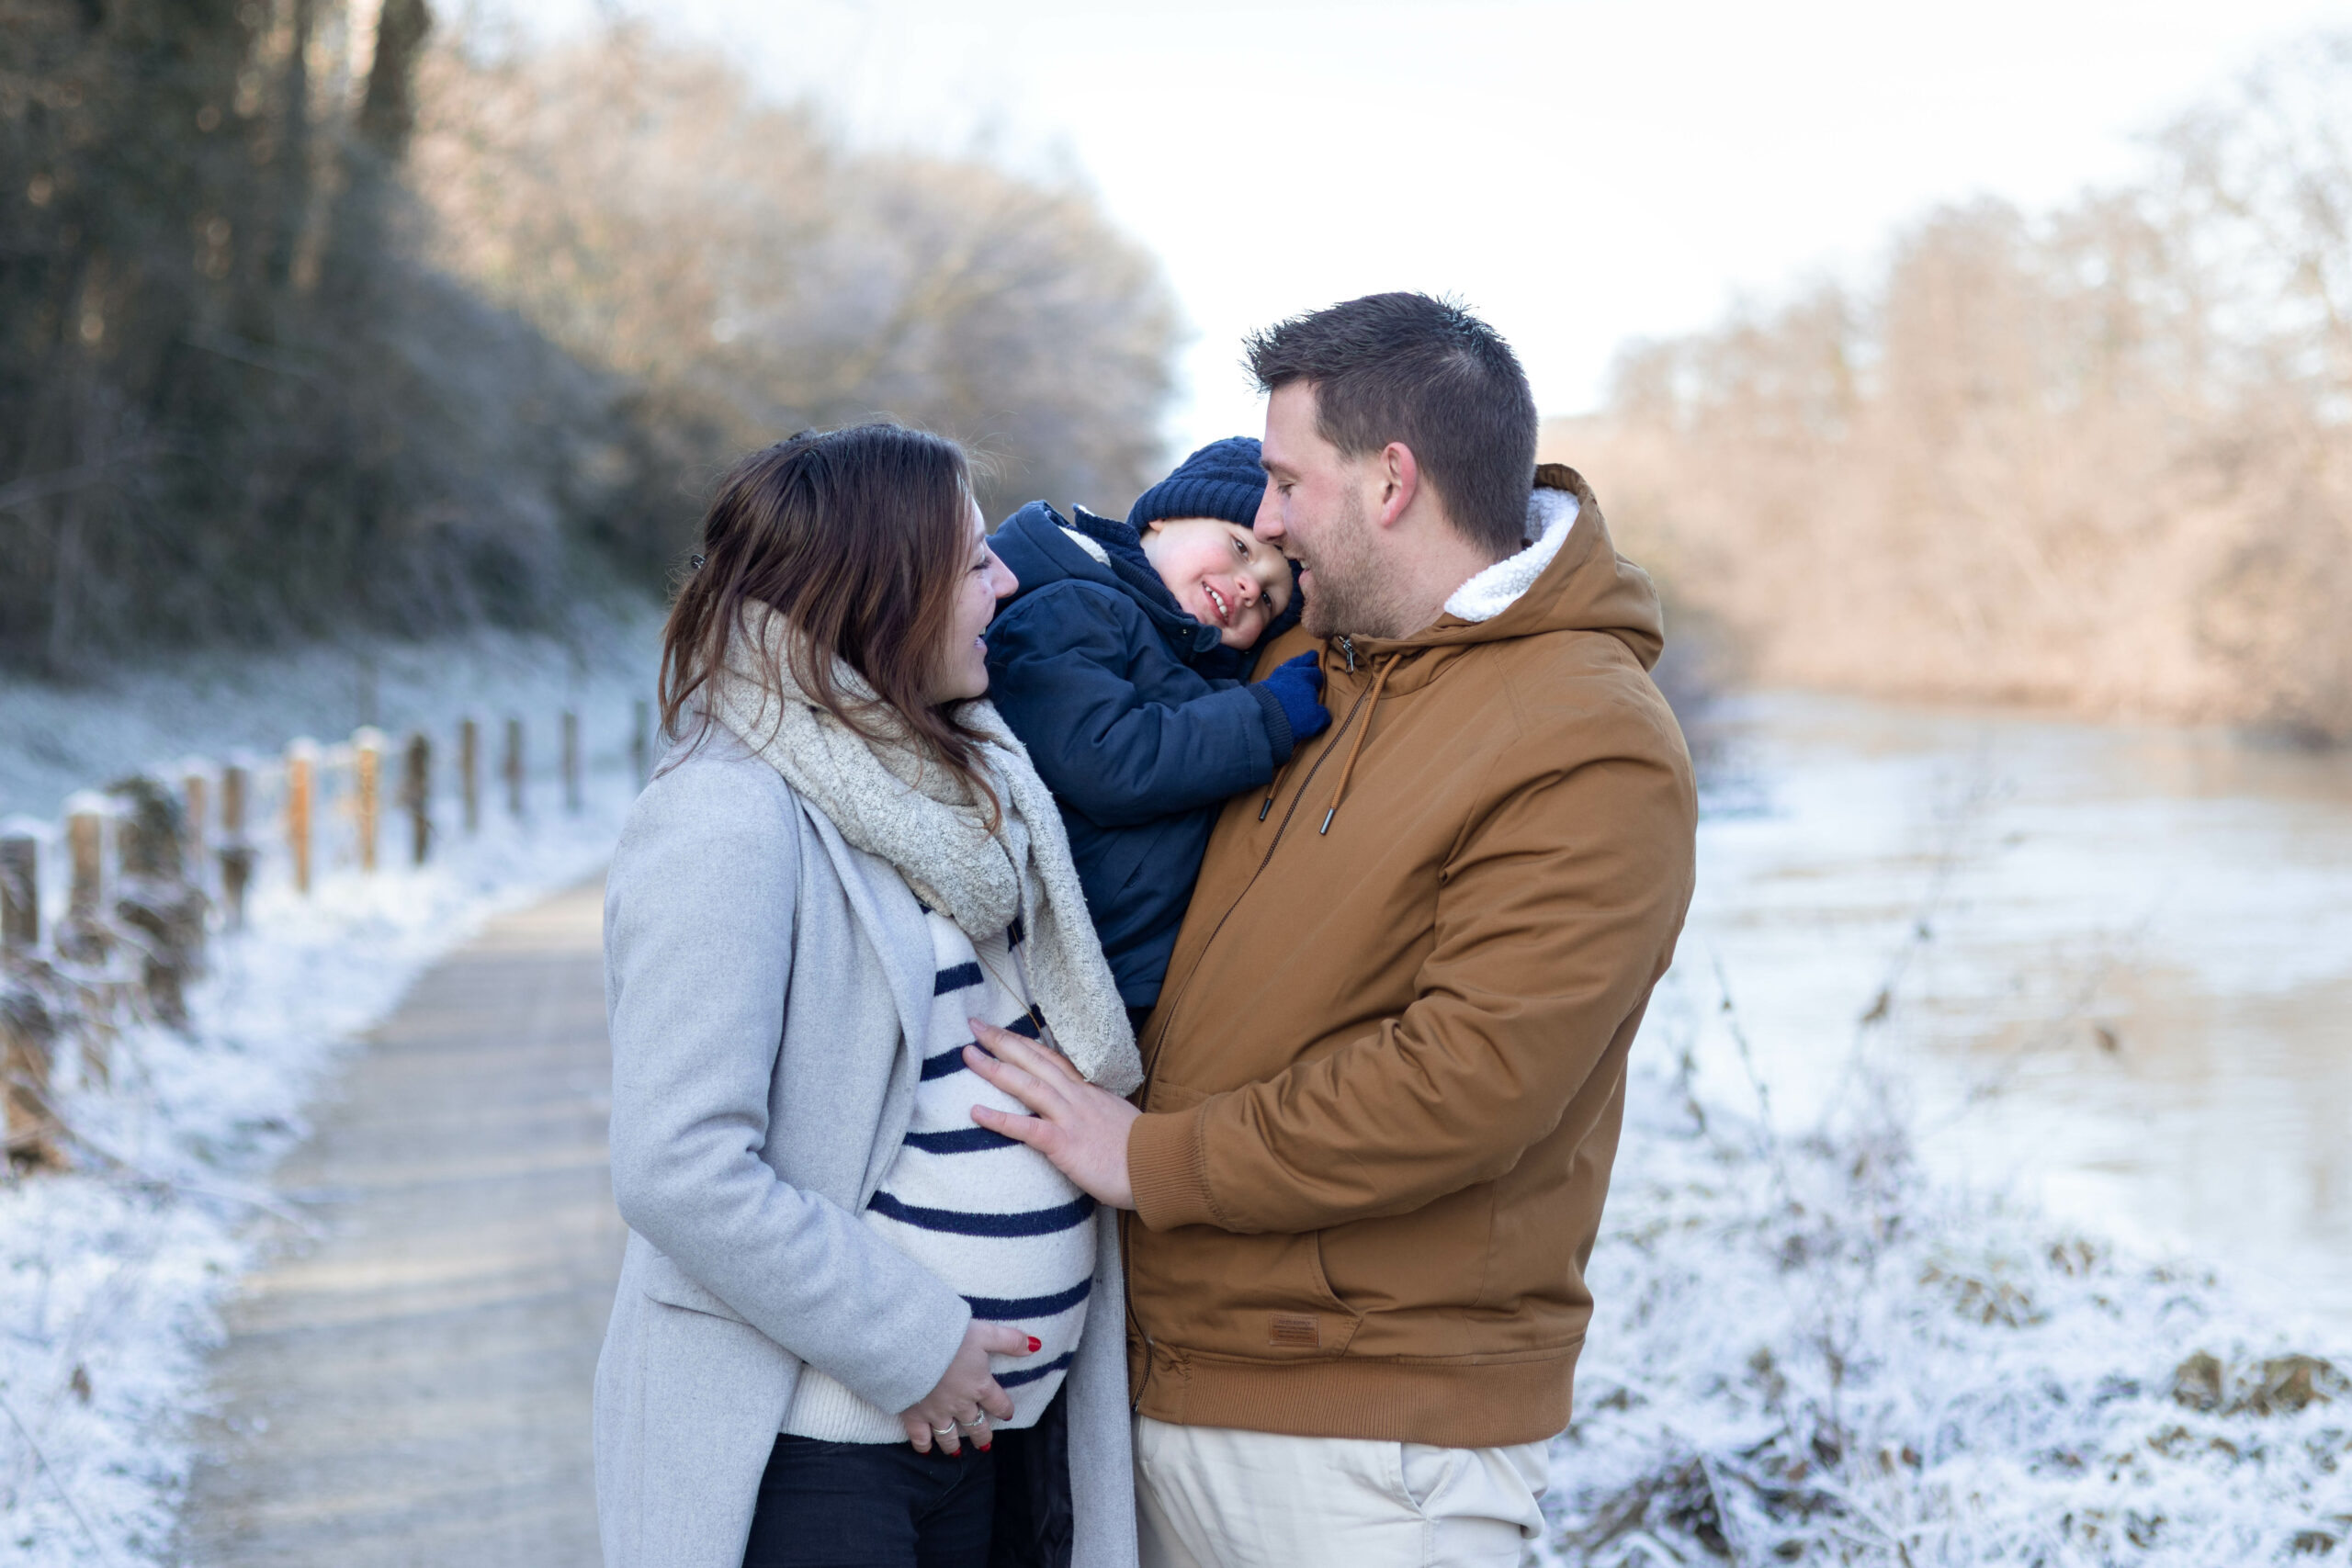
(1297, 1328)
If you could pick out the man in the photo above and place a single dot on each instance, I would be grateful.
(1388, 1070)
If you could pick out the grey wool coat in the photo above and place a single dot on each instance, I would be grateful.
(768, 987)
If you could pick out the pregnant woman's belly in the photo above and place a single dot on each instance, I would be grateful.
(990, 1216)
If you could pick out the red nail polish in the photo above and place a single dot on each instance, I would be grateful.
(986, 1447)
(1035, 1344)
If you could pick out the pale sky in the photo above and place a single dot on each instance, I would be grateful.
(1578, 173)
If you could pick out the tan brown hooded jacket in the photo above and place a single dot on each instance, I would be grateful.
(1388, 1070)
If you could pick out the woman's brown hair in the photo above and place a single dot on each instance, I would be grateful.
(860, 538)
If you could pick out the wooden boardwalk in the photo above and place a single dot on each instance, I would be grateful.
(413, 1388)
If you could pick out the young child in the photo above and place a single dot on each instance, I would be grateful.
(1115, 662)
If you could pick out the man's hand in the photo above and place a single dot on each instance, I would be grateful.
(1080, 1128)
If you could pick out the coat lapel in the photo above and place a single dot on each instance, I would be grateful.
(891, 922)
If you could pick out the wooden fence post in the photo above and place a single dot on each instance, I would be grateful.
(366, 777)
(150, 840)
(83, 935)
(20, 893)
(26, 1033)
(236, 854)
(196, 801)
(515, 768)
(301, 766)
(84, 841)
(469, 774)
(416, 794)
(572, 761)
(155, 898)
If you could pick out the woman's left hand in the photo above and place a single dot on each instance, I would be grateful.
(1082, 1129)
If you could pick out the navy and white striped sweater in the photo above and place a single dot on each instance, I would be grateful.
(988, 1216)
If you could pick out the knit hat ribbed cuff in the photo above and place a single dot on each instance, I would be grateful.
(1221, 480)
(1199, 496)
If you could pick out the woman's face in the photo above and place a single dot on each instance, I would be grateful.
(964, 666)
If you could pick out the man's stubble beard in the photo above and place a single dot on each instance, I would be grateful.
(1352, 597)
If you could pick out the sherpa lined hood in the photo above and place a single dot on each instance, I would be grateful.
(1569, 580)
(1041, 546)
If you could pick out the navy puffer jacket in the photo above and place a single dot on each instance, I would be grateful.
(1130, 709)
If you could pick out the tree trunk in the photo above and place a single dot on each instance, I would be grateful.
(388, 113)
(294, 148)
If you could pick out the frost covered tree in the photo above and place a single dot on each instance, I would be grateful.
(2098, 459)
(312, 317)
(749, 276)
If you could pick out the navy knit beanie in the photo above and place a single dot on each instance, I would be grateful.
(1222, 480)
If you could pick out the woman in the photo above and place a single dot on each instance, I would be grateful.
(853, 1326)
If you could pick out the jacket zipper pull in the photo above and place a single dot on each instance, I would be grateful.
(1348, 649)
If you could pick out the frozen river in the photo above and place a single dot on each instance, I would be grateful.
(2107, 968)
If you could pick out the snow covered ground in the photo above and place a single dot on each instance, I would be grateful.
(111, 1274)
(1809, 1348)
(1978, 1195)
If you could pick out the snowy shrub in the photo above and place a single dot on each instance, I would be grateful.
(1805, 1352)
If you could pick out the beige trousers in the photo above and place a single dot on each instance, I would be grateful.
(1215, 1497)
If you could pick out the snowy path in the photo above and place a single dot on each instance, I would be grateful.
(414, 1387)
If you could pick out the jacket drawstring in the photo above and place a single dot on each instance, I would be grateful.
(1347, 770)
(1275, 788)
(1283, 773)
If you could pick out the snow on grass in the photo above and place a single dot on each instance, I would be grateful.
(112, 1273)
(56, 740)
(1807, 1350)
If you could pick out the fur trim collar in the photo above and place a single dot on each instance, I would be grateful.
(1550, 514)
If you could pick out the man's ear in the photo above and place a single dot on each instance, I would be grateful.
(1400, 474)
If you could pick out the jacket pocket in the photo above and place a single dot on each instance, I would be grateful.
(1256, 1297)
(669, 1284)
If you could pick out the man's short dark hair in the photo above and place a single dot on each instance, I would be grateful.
(1427, 373)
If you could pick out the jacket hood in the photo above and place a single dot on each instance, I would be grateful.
(1035, 543)
(1042, 547)
(1579, 584)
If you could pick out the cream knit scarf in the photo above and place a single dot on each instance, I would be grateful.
(889, 800)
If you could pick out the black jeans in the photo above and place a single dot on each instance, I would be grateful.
(872, 1506)
(884, 1505)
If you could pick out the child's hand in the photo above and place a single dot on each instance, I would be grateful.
(1295, 683)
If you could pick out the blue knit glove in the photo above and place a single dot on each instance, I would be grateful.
(1295, 684)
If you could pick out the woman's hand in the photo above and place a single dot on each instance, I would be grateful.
(1082, 1129)
(968, 1396)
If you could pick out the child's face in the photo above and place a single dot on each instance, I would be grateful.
(1221, 573)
